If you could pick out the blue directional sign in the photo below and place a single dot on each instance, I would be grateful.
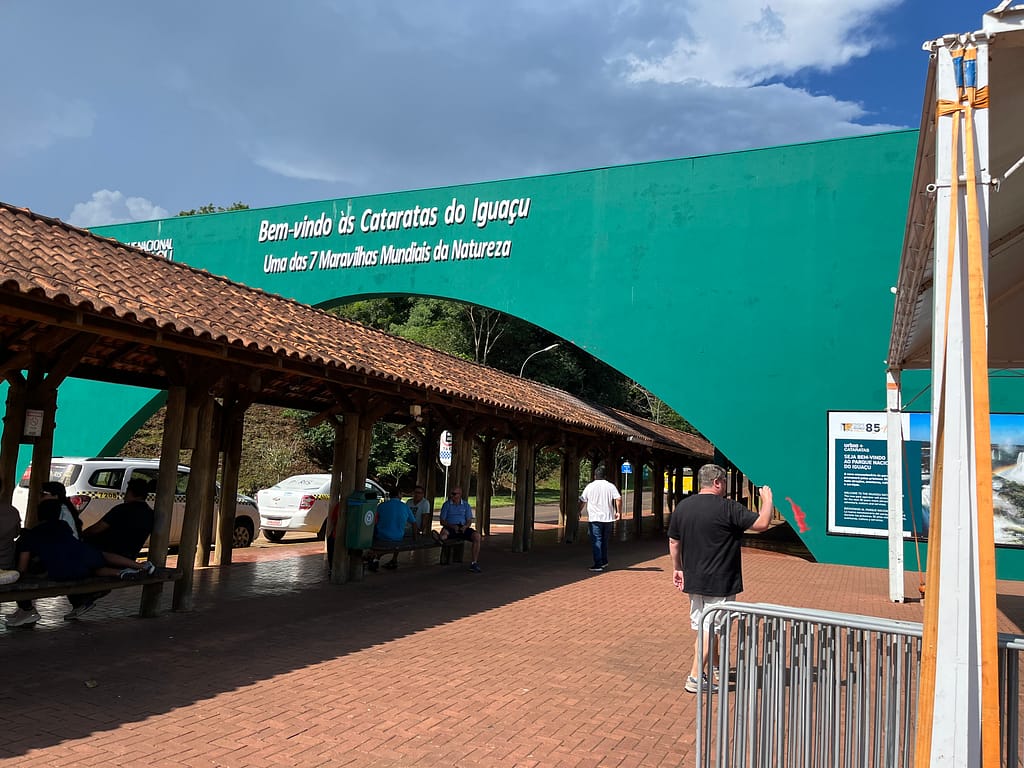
(627, 468)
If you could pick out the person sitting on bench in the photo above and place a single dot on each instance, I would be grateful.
(10, 527)
(66, 513)
(393, 516)
(65, 557)
(420, 507)
(457, 523)
(123, 531)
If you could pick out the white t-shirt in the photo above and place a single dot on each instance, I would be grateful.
(421, 510)
(600, 496)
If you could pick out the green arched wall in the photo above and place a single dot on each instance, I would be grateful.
(750, 291)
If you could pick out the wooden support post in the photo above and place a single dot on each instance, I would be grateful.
(563, 491)
(658, 494)
(212, 458)
(14, 426)
(198, 498)
(338, 499)
(424, 458)
(485, 485)
(348, 460)
(523, 492)
(431, 441)
(363, 444)
(166, 485)
(531, 498)
(45, 399)
(233, 427)
(462, 464)
(571, 462)
(363, 456)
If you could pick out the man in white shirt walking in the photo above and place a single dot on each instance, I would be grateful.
(603, 506)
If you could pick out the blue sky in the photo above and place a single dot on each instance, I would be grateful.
(122, 110)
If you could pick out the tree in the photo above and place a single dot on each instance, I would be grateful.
(392, 456)
(211, 208)
(488, 326)
(382, 314)
(647, 404)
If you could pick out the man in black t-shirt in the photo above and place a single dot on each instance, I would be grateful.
(123, 531)
(125, 528)
(704, 535)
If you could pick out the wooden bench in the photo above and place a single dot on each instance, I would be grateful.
(32, 587)
(451, 551)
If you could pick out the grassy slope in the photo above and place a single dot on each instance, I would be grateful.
(271, 447)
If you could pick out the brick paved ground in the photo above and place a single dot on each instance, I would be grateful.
(535, 662)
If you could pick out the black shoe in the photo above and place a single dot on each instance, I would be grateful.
(373, 565)
(596, 568)
(78, 610)
(391, 565)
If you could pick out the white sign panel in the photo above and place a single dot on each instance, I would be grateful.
(445, 450)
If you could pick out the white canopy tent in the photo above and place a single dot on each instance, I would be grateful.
(959, 295)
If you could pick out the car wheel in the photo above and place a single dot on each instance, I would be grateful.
(243, 534)
(274, 535)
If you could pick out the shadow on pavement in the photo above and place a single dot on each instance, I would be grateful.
(254, 621)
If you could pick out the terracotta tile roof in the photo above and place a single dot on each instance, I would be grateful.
(663, 435)
(107, 283)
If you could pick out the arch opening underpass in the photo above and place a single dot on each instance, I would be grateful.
(750, 291)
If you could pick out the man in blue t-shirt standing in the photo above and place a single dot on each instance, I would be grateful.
(457, 522)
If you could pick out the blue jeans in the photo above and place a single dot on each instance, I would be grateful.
(599, 535)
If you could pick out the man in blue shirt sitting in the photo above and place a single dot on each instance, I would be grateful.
(456, 523)
(393, 516)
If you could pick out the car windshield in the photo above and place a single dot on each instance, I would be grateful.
(60, 472)
(303, 483)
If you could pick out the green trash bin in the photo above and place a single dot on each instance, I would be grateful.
(362, 510)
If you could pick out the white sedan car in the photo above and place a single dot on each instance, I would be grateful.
(299, 503)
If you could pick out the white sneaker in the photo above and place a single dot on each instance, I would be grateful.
(703, 685)
(8, 577)
(21, 618)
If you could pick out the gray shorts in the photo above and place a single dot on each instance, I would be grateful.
(697, 605)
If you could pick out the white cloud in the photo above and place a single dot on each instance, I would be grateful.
(580, 86)
(35, 121)
(296, 163)
(390, 95)
(110, 207)
(742, 43)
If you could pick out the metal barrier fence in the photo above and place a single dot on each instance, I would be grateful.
(808, 689)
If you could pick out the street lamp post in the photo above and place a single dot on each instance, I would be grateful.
(546, 349)
(522, 368)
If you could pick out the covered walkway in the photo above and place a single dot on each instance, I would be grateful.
(555, 666)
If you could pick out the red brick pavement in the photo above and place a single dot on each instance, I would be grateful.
(534, 662)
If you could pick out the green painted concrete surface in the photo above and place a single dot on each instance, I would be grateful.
(750, 290)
